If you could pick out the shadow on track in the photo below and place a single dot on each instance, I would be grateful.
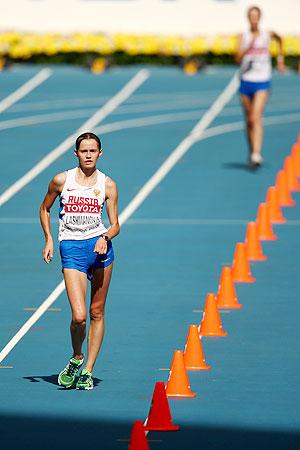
(52, 379)
(58, 433)
(245, 166)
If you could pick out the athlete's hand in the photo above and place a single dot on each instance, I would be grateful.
(48, 251)
(101, 246)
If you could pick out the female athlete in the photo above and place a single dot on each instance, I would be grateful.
(256, 70)
(86, 250)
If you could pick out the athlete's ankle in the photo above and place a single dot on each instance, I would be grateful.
(78, 356)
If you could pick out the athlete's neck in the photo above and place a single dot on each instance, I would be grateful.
(254, 29)
(86, 173)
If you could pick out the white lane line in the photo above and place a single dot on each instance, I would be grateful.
(68, 115)
(32, 320)
(127, 123)
(45, 118)
(207, 118)
(182, 148)
(236, 126)
(82, 113)
(23, 90)
(90, 101)
(90, 124)
(60, 104)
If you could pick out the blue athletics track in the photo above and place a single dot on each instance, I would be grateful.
(169, 255)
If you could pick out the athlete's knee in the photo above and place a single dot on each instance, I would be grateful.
(96, 314)
(255, 118)
(78, 320)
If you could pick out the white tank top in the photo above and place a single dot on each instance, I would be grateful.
(256, 64)
(80, 212)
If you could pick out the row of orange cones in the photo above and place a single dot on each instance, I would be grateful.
(269, 212)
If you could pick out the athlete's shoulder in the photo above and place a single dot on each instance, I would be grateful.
(111, 189)
(59, 179)
(110, 183)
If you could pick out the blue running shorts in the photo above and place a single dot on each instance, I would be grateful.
(80, 255)
(250, 88)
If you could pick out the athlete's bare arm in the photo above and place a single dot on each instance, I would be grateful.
(241, 53)
(280, 57)
(54, 189)
(112, 212)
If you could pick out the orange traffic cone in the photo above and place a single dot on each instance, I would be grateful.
(264, 226)
(138, 440)
(275, 211)
(254, 250)
(193, 354)
(290, 173)
(241, 272)
(284, 196)
(159, 418)
(226, 297)
(178, 384)
(211, 324)
(295, 153)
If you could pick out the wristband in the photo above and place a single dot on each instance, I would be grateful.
(106, 238)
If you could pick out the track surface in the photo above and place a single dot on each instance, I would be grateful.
(168, 256)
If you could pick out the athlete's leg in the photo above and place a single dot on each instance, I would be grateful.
(246, 102)
(259, 101)
(99, 288)
(76, 286)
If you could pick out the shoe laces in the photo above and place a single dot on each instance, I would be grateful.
(72, 369)
(85, 377)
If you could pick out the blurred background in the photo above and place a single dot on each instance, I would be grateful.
(130, 31)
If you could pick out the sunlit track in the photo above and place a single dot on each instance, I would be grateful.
(223, 98)
(25, 89)
(169, 255)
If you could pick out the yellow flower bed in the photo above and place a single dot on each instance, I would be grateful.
(23, 46)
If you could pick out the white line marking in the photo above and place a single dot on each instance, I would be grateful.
(90, 101)
(23, 90)
(182, 148)
(90, 124)
(120, 124)
(236, 126)
(49, 309)
(32, 320)
(45, 118)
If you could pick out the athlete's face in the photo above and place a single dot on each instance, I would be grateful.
(254, 17)
(88, 153)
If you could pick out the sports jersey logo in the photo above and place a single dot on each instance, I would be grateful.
(76, 204)
(97, 192)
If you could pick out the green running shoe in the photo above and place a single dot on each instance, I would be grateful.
(67, 376)
(85, 381)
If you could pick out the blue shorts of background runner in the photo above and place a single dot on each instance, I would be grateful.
(80, 255)
(250, 88)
